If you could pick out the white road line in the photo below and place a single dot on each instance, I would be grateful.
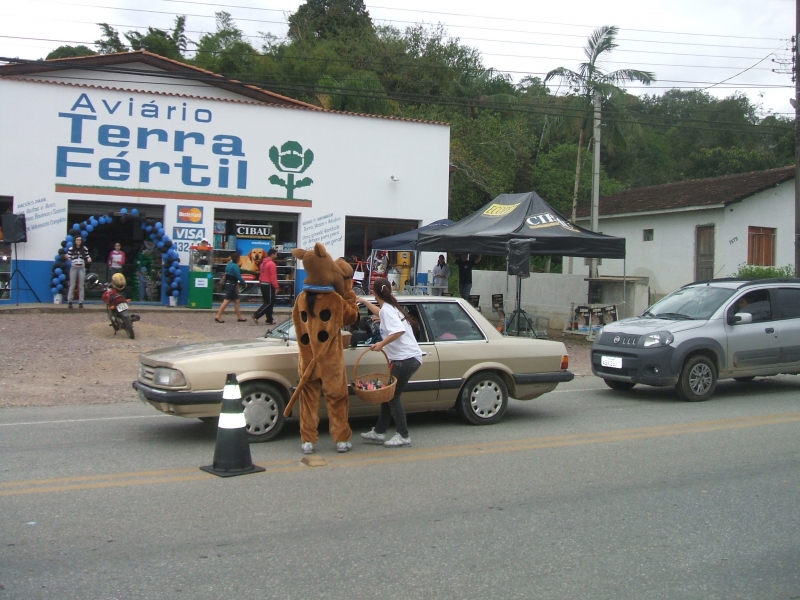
(83, 420)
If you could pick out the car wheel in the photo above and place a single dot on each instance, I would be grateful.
(744, 379)
(483, 400)
(263, 411)
(698, 379)
(619, 385)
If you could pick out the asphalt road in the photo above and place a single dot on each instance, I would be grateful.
(584, 493)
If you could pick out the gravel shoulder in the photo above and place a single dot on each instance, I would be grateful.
(66, 357)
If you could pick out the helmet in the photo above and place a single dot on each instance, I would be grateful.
(118, 281)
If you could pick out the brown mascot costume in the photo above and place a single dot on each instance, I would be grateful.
(320, 311)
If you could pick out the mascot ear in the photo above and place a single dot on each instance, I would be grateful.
(319, 250)
(299, 253)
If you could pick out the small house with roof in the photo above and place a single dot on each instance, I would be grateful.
(700, 229)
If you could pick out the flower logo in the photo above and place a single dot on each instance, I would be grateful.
(291, 159)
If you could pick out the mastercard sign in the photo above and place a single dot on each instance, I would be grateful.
(190, 214)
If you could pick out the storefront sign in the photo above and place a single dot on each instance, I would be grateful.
(253, 231)
(190, 214)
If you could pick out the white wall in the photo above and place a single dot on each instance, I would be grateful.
(354, 158)
(669, 260)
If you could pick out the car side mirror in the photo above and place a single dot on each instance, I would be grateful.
(742, 318)
(358, 337)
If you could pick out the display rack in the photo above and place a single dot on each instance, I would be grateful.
(588, 319)
(285, 263)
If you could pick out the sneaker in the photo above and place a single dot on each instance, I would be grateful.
(343, 446)
(398, 441)
(373, 437)
(70, 304)
(308, 448)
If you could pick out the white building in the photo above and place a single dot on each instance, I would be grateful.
(700, 229)
(84, 137)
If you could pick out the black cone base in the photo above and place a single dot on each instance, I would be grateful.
(232, 455)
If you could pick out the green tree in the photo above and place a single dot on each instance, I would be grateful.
(327, 19)
(109, 43)
(225, 51)
(584, 82)
(158, 41)
(70, 52)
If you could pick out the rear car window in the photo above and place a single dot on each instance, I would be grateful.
(449, 322)
(788, 303)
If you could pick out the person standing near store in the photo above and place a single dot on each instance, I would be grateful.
(465, 263)
(441, 275)
(405, 357)
(78, 255)
(116, 260)
(233, 276)
(268, 277)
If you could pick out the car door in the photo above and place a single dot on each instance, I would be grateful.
(787, 307)
(459, 343)
(753, 348)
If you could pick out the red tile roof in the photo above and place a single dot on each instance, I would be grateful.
(713, 191)
(120, 59)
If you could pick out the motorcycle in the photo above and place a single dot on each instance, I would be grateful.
(117, 311)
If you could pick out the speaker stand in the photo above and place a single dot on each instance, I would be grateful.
(16, 272)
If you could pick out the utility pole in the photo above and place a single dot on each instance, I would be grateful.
(596, 174)
(796, 62)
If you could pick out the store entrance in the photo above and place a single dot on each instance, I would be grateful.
(126, 230)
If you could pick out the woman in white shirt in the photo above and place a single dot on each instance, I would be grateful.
(405, 358)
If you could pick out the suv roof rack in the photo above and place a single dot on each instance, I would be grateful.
(744, 282)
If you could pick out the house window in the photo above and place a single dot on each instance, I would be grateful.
(647, 235)
(761, 246)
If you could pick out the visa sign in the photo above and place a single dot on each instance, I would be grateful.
(192, 234)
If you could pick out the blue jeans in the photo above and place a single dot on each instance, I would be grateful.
(402, 370)
(464, 289)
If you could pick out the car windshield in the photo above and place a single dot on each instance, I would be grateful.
(283, 331)
(690, 303)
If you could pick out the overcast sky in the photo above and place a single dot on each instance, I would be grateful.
(723, 46)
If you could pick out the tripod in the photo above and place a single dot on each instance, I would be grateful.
(15, 272)
(519, 320)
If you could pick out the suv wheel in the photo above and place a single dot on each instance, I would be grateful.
(698, 379)
(619, 385)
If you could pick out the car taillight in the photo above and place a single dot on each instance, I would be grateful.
(565, 362)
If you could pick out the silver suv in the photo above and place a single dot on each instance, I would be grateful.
(703, 332)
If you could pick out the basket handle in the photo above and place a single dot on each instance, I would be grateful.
(360, 356)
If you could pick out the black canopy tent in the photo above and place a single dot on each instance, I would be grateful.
(408, 239)
(520, 216)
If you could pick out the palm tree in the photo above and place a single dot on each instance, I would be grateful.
(590, 78)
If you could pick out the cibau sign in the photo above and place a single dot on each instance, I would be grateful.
(180, 148)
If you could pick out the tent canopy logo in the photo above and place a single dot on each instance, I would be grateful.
(548, 220)
(500, 210)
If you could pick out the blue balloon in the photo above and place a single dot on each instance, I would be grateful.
(90, 228)
(172, 270)
(160, 244)
(76, 226)
(58, 271)
(159, 225)
(102, 220)
(54, 290)
(57, 257)
(152, 236)
(55, 281)
(161, 231)
(69, 239)
(93, 221)
(176, 293)
(124, 211)
(149, 228)
(59, 287)
(62, 277)
(178, 279)
(84, 233)
(135, 212)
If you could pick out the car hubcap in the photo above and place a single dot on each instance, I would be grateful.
(486, 398)
(260, 413)
(700, 379)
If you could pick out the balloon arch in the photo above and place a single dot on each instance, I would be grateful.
(154, 230)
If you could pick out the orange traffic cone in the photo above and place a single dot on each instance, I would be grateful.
(232, 452)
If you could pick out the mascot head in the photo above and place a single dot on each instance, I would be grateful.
(322, 274)
(347, 273)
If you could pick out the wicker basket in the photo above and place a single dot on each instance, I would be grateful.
(380, 396)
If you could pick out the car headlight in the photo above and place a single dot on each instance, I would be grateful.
(168, 377)
(657, 340)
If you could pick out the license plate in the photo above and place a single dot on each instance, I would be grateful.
(122, 306)
(615, 362)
